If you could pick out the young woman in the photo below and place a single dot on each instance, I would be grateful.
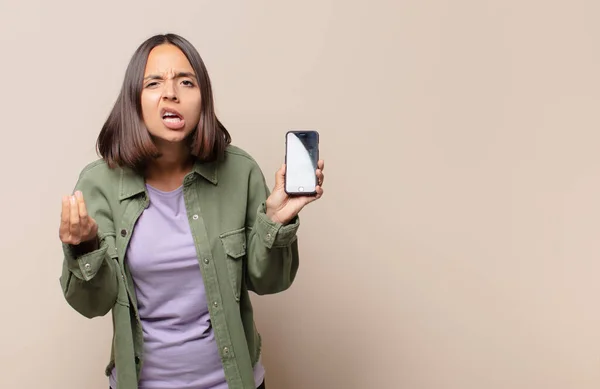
(172, 228)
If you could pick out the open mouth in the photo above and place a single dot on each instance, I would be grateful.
(172, 119)
(171, 115)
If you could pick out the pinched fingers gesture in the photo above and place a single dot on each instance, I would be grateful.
(76, 226)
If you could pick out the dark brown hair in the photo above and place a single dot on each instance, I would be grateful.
(124, 140)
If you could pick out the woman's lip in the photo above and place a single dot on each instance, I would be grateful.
(166, 110)
(174, 123)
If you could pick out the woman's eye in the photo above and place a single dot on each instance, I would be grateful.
(151, 84)
(187, 83)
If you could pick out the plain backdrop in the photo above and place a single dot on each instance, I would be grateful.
(456, 246)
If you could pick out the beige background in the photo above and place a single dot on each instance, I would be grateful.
(457, 243)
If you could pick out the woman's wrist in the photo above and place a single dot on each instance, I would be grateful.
(86, 247)
(272, 215)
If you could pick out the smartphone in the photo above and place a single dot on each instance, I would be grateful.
(301, 157)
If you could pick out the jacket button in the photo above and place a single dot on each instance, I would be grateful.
(123, 232)
(137, 360)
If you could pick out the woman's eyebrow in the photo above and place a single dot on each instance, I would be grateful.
(177, 75)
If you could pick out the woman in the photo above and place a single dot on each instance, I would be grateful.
(172, 228)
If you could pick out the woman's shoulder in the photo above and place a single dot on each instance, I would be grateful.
(235, 152)
(98, 171)
(239, 165)
(237, 156)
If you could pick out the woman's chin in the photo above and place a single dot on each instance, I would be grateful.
(170, 136)
(175, 139)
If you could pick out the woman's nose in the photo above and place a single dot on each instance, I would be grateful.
(170, 92)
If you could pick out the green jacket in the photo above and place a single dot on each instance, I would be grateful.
(239, 250)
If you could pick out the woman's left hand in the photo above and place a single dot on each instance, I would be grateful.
(281, 207)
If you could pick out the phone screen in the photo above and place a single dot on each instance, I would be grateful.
(302, 155)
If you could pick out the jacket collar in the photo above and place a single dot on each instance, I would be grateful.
(132, 183)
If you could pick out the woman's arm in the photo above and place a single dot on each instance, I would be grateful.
(89, 276)
(272, 248)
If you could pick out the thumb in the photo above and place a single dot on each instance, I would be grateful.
(280, 176)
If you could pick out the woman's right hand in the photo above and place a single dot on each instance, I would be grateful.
(76, 226)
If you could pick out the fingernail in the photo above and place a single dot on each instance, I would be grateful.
(72, 199)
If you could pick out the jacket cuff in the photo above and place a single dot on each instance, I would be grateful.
(85, 266)
(274, 234)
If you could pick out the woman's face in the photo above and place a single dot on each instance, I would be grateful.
(170, 95)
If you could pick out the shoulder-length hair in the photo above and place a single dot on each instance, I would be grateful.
(124, 140)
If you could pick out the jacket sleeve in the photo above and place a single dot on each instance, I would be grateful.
(272, 248)
(89, 282)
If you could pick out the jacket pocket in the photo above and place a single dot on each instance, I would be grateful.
(234, 244)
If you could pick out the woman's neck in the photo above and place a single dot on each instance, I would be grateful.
(168, 171)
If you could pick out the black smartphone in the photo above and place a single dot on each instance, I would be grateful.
(301, 158)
